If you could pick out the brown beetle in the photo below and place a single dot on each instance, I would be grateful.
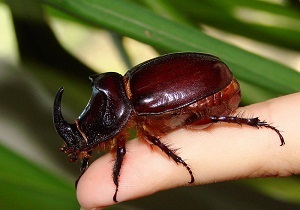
(157, 96)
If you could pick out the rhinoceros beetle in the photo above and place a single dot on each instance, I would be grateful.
(156, 97)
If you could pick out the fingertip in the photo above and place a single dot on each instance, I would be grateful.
(95, 188)
(144, 172)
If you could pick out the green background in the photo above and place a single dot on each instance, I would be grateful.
(35, 175)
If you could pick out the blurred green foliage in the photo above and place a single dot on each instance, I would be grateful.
(28, 181)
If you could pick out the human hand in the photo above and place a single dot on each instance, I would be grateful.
(218, 153)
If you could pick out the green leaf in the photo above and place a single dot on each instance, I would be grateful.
(27, 186)
(276, 24)
(145, 26)
(282, 189)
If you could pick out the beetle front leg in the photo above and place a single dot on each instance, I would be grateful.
(84, 166)
(154, 140)
(120, 153)
(254, 122)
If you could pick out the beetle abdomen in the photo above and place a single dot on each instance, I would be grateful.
(187, 78)
(220, 103)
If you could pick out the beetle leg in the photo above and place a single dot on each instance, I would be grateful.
(254, 122)
(84, 166)
(154, 140)
(121, 151)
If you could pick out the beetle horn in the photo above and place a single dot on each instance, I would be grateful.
(63, 128)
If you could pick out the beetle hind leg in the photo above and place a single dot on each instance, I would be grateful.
(254, 122)
(171, 153)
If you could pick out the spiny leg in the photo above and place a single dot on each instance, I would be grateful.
(255, 122)
(120, 153)
(170, 153)
(84, 166)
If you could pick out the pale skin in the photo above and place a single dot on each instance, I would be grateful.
(218, 153)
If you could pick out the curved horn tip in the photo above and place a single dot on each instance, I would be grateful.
(59, 95)
(57, 104)
(61, 89)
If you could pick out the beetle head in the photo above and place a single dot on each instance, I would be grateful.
(68, 132)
